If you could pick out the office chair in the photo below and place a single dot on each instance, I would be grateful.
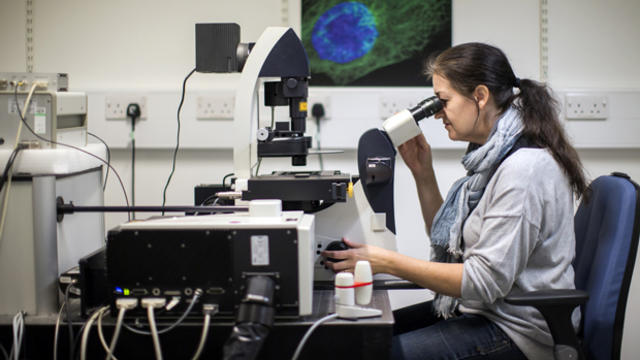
(607, 229)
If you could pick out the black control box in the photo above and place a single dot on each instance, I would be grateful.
(172, 263)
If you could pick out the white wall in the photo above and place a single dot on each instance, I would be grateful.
(147, 47)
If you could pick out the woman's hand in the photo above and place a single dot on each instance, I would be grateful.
(445, 278)
(376, 256)
(416, 153)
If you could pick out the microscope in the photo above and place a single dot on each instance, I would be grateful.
(359, 207)
(292, 216)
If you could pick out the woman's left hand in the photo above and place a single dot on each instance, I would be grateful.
(376, 256)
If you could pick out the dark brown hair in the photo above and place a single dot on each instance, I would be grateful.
(468, 65)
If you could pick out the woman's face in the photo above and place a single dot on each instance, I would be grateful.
(460, 114)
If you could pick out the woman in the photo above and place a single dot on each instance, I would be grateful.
(506, 227)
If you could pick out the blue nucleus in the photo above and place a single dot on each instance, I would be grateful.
(344, 33)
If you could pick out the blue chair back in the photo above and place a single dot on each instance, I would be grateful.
(607, 229)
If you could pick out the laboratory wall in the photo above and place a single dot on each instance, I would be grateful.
(146, 48)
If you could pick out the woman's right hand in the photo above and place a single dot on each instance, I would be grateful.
(416, 153)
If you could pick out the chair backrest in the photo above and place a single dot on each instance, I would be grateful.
(607, 230)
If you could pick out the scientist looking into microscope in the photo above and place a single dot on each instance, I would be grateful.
(505, 227)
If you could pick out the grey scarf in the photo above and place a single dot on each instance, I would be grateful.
(446, 230)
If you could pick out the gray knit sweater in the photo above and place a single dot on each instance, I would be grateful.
(519, 238)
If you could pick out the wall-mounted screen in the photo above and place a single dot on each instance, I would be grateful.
(373, 42)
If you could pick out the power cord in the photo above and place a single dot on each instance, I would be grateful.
(151, 304)
(57, 331)
(9, 165)
(133, 112)
(224, 179)
(87, 331)
(18, 331)
(106, 175)
(175, 151)
(306, 336)
(4, 352)
(317, 111)
(123, 304)
(208, 310)
(103, 342)
(67, 293)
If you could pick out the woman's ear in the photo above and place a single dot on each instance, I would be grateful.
(481, 94)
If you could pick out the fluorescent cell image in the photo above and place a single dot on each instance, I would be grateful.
(344, 33)
(373, 42)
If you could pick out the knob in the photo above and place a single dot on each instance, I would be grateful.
(336, 246)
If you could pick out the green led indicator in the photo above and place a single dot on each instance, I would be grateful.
(126, 291)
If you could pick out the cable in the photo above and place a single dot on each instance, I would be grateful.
(106, 175)
(308, 334)
(317, 111)
(116, 334)
(123, 304)
(87, 331)
(133, 174)
(133, 111)
(103, 342)
(154, 332)
(18, 331)
(175, 151)
(203, 337)
(69, 324)
(258, 166)
(9, 165)
(76, 341)
(318, 143)
(126, 198)
(4, 352)
(196, 295)
(207, 199)
(101, 336)
(24, 111)
(57, 330)
(224, 179)
(133, 165)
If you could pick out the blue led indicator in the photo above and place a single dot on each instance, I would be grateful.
(118, 290)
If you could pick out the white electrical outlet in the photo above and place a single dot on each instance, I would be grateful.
(115, 106)
(215, 107)
(390, 106)
(583, 106)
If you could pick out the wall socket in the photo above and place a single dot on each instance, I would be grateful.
(319, 99)
(389, 106)
(115, 106)
(213, 107)
(586, 106)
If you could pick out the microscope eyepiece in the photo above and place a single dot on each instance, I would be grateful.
(404, 125)
(426, 108)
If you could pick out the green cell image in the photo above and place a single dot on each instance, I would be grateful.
(375, 42)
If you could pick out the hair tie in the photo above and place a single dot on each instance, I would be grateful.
(517, 82)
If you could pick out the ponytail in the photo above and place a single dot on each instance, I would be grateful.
(539, 111)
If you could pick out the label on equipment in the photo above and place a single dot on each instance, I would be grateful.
(40, 121)
(259, 250)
